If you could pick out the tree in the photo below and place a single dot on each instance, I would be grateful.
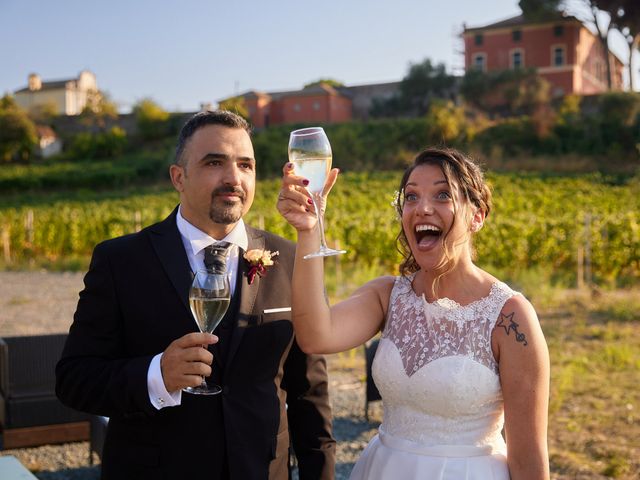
(569, 110)
(527, 93)
(625, 15)
(236, 105)
(517, 91)
(108, 143)
(423, 83)
(540, 10)
(98, 109)
(445, 121)
(618, 120)
(18, 134)
(325, 81)
(151, 119)
(603, 27)
(7, 102)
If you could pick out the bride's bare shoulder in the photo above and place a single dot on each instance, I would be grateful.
(380, 287)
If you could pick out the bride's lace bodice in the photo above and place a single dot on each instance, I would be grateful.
(435, 369)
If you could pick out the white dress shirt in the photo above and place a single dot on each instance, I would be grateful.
(194, 241)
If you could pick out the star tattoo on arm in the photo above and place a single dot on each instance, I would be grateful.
(506, 322)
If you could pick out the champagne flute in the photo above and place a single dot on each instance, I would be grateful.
(209, 299)
(310, 153)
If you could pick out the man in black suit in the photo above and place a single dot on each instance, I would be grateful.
(134, 344)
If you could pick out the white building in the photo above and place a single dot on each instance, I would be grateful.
(62, 97)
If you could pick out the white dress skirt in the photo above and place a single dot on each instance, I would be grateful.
(392, 458)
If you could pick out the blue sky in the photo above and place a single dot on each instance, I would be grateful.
(182, 53)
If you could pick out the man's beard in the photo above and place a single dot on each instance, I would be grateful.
(223, 212)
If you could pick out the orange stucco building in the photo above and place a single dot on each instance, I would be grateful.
(563, 51)
(316, 104)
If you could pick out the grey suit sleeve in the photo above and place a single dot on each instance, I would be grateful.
(309, 414)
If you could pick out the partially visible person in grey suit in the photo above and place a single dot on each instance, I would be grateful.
(134, 344)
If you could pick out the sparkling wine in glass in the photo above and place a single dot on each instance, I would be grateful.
(209, 299)
(310, 153)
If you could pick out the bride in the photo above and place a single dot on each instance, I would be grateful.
(461, 355)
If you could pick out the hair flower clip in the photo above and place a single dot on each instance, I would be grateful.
(259, 260)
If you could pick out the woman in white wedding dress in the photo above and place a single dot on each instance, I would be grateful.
(461, 355)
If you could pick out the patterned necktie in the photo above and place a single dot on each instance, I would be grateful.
(215, 257)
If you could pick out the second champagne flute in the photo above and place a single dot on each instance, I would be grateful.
(310, 153)
(209, 299)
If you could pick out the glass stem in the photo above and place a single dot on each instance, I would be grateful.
(204, 385)
(316, 198)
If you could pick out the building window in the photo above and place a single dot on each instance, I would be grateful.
(478, 39)
(516, 35)
(517, 58)
(296, 107)
(558, 30)
(316, 106)
(480, 62)
(558, 56)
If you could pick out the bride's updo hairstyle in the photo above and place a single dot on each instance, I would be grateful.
(456, 168)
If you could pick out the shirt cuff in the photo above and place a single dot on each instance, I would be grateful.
(158, 395)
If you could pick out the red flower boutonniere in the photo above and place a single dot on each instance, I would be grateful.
(258, 259)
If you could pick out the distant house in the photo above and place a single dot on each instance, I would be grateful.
(363, 96)
(48, 142)
(563, 51)
(64, 97)
(320, 103)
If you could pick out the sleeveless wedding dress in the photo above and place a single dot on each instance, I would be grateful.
(440, 388)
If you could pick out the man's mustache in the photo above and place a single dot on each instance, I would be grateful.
(229, 190)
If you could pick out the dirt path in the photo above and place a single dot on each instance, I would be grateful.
(33, 303)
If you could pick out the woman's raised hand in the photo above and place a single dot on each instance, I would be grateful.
(294, 201)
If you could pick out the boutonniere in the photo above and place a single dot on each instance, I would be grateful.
(259, 260)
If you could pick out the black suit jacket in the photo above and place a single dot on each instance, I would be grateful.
(134, 304)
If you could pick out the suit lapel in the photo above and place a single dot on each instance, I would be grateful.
(248, 293)
(168, 245)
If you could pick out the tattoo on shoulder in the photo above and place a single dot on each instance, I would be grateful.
(507, 322)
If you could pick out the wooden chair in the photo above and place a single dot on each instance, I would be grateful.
(97, 433)
(371, 393)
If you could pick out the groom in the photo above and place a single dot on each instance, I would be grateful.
(134, 344)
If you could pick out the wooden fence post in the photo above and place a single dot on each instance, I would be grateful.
(137, 221)
(6, 244)
(28, 226)
(587, 249)
(580, 269)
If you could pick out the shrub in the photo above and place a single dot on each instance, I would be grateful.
(17, 132)
(111, 143)
(151, 118)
